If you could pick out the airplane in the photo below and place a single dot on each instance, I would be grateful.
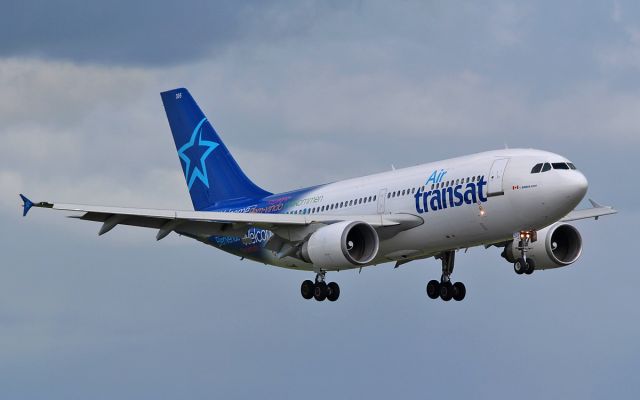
(520, 200)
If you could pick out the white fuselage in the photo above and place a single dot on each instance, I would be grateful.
(515, 199)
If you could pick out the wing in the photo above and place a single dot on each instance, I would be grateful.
(595, 211)
(288, 227)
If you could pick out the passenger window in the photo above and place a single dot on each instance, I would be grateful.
(374, 198)
(560, 165)
(536, 168)
(546, 167)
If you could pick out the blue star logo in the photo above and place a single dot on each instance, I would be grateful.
(196, 150)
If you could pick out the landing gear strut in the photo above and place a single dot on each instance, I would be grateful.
(445, 289)
(524, 265)
(319, 289)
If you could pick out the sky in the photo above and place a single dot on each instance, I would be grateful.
(303, 93)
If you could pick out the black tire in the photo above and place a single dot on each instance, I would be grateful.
(433, 289)
(307, 288)
(334, 291)
(520, 266)
(459, 291)
(531, 266)
(446, 291)
(321, 291)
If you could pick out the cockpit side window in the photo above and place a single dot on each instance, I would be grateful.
(536, 168)
(560, 165)
(546, 167)
(571, 165)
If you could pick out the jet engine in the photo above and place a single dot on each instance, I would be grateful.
(557, 246)
(342, 244)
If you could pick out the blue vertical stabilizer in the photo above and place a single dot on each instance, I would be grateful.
(212, 175)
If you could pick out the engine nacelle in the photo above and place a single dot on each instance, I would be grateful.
(343, 244)
(557, 246)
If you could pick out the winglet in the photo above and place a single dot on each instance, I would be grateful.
(595, 204)
(26, 206)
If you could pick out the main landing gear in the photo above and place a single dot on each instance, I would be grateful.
(320, 290)
(524, 265)
(445, 289)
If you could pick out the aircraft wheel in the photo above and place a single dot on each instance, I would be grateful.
(433, 289)
(446, 291)
(321, 291)
(531, 266)
(459, 291)
(334, 291)
(520, 266)
(307, 289)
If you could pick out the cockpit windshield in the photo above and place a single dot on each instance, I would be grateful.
(544, 167)
(560, 165)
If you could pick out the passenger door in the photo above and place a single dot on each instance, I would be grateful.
(494, 186)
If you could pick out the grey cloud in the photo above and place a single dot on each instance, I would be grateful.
(159, 33)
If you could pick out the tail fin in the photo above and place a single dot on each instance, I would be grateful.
(211, 172)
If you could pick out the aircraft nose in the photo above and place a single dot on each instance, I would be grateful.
(579, 185)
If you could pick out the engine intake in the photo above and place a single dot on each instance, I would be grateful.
(343, 244)
(557, 246)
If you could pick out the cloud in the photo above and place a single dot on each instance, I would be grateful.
(120, 31)
(168, 33)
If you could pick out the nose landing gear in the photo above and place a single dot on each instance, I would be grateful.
(320, 290)
(524, 265)
(444, 288)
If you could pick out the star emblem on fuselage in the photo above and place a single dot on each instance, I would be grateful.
(194, 154)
